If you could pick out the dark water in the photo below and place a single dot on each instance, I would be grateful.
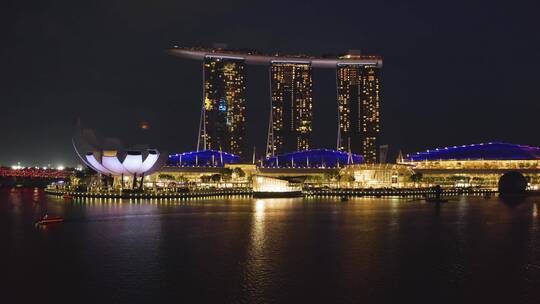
(242, 250)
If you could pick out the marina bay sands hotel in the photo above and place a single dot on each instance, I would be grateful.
(223, 119)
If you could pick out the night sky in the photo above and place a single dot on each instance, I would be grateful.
(455, 72)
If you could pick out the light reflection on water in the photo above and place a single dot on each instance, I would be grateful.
(255, 273)
(274, 250)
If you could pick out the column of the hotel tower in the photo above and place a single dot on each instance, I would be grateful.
(223, 117)
(292, 107)
(370, 112)
(358, 98)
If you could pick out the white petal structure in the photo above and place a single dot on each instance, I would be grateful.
(150, 160)
(133, 162)
(95, 164)
(110, 162)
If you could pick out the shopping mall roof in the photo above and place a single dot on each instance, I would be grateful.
(483, 151)
(203, 158)
(317, 158)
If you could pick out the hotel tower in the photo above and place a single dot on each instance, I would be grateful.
(358, 94)
(223, 118)
(291, 112)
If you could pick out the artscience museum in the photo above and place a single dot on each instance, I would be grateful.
(116, 166)
(123, 167)
(131, 164)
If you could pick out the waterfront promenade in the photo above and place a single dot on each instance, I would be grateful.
(419, 192)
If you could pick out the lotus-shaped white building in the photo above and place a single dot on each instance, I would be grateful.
(132, 164)
(108, 157)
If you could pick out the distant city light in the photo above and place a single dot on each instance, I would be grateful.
(60, 168)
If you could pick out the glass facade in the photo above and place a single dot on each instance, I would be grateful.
(358, 92)
(223, 116)
(378, 175)
(292, 107)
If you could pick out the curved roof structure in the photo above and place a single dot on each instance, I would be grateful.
(483, 151)
(203, 158)
(108, 156)
(318, 158)
(111, 163)
(254, 57)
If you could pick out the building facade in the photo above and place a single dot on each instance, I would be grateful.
(378, 175)
(477, 165)
(358, 95)
(223, 114)
(291, 114)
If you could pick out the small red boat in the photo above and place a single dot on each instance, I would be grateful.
(45, 220)
(67, 196)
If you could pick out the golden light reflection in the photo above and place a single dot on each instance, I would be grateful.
(256, 247)
(394, 213)
(259, 208)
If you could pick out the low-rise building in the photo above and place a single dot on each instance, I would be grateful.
(376, 176)
(477, 165)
